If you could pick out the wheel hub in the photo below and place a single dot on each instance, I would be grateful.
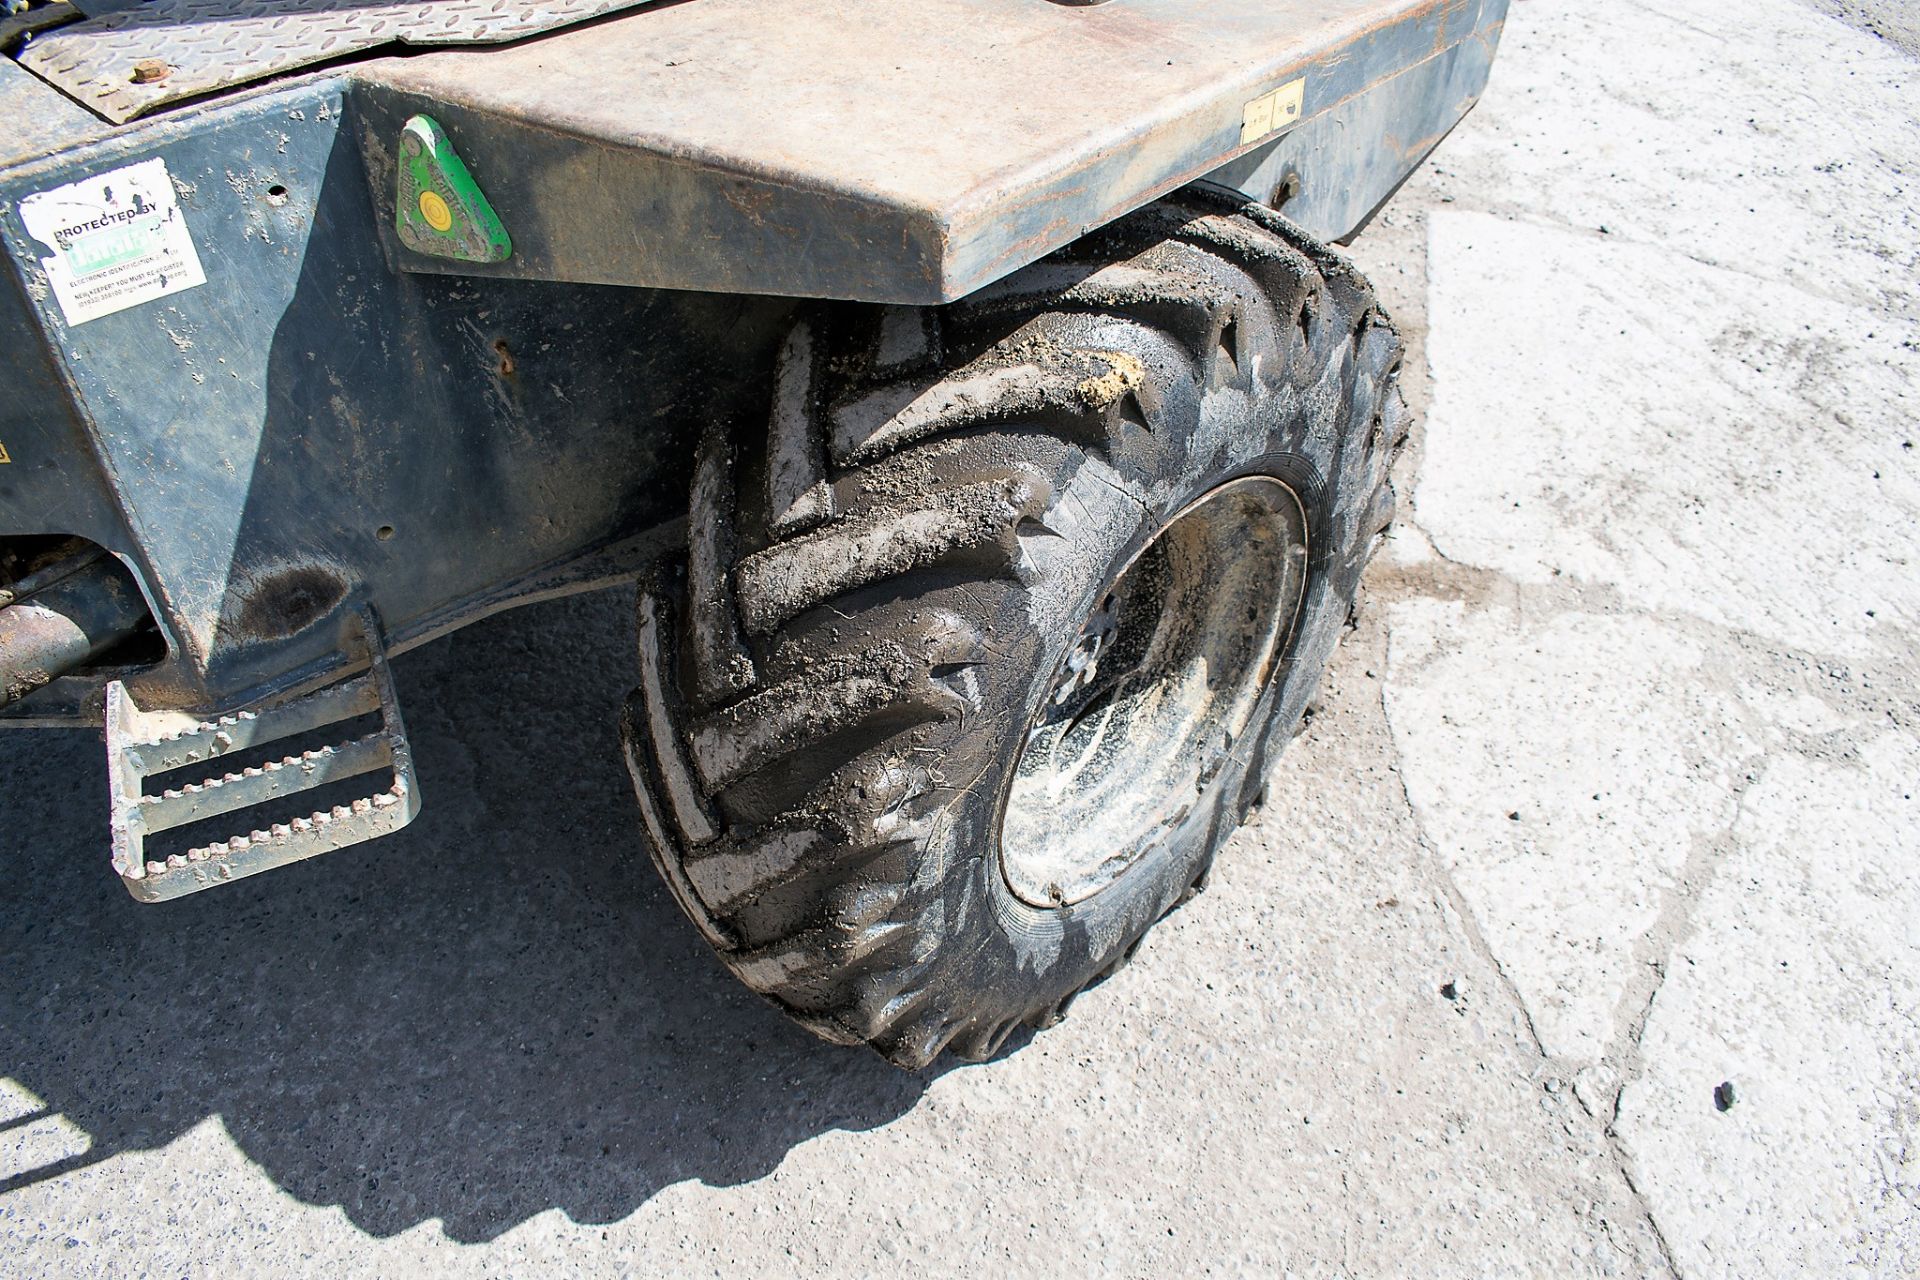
(1157, 691)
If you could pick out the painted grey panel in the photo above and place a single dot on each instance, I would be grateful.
(310, 431)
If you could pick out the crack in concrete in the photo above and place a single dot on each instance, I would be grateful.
(1653, 953)
(1469, 924)
(1871, 690)
(1438, 575)
(1646, 1209)
(1450, 892)
(1473, 584)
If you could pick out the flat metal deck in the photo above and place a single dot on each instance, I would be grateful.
(913, 152)
(877, 150)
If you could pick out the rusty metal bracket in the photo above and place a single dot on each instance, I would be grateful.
(141, 745)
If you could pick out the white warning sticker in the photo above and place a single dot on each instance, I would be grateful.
(117, 240)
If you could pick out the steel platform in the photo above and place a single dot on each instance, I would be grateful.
(861, 149)
(914, 152)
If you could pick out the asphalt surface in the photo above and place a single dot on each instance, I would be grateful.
(1576, 937)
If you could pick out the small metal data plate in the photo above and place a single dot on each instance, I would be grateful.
(130, 61)
(1273, 113)
(439, 209)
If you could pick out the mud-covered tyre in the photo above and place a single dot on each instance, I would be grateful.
(978, 650)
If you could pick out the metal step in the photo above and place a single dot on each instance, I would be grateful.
(142, 744)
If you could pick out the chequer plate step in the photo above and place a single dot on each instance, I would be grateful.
(141, 745)
(203, 46)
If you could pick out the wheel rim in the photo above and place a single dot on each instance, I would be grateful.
(1156, 694)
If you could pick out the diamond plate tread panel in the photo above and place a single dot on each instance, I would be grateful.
(209, 45)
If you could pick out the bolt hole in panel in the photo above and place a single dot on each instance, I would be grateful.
(130, 61)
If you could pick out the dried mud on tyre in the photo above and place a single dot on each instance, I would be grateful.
(950, 518)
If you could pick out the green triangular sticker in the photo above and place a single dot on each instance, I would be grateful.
(440, 210)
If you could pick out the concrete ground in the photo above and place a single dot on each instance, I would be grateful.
(1577, 937)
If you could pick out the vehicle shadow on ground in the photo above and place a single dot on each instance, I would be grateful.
(495, 1012)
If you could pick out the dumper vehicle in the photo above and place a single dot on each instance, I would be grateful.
(965, 389)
